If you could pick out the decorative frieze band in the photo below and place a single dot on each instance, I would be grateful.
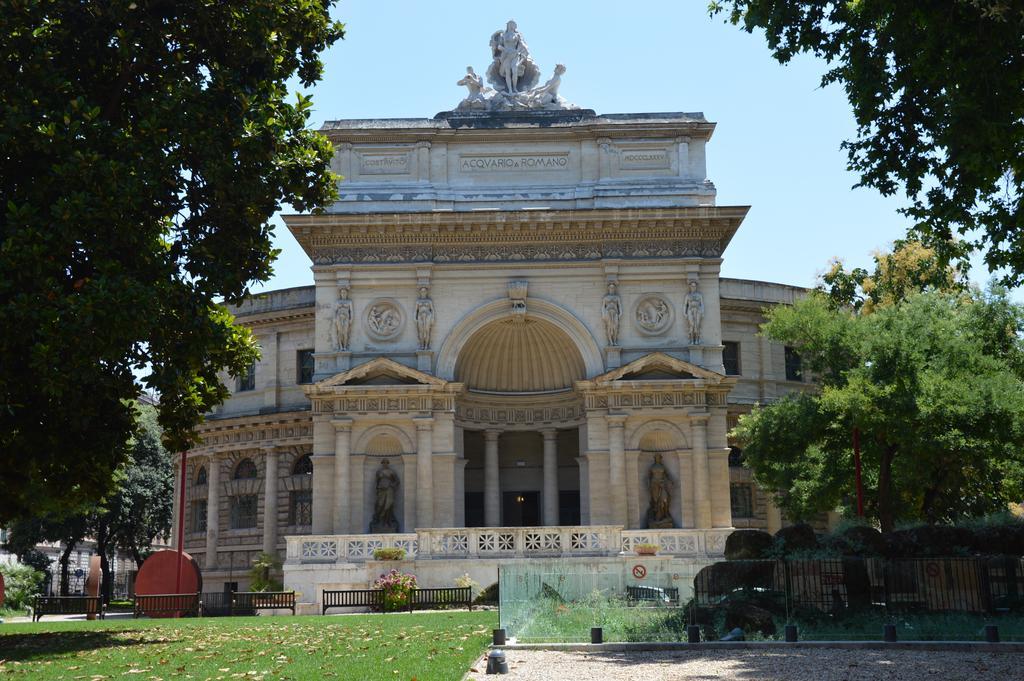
(514, 252)
(654, 399)
(400, 403)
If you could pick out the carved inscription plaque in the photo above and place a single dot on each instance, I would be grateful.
(514, 162)
(384, 164)
(645, 159)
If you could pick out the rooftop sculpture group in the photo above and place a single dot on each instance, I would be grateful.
(514, 77)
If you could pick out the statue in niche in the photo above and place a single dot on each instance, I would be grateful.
(478, 92)
(659, 486)
(611, 312)
(342, 320)
(693, 310)
(384, 519)
(424, 318)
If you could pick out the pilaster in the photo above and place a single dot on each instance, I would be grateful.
(617, 468)
(212, 512)
(424, 472)
(342, 469)
(270, 520)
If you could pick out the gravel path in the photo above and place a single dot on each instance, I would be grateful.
(742, 665)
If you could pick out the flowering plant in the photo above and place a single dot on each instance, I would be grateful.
(397, 588)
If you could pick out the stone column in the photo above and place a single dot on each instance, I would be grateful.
(550, 476)
(342, 450)
(701, 476)
(425, 472)
(270, 458)
(492, 490)
(617, 469)
(212, 512)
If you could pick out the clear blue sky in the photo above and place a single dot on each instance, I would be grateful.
(776, 147)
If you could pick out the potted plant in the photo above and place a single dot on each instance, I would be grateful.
(646, 549)
(389, 554)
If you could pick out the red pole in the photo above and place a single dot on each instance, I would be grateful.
(181, 525)
(856, 466)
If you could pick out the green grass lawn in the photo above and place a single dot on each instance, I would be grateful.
(422, 646)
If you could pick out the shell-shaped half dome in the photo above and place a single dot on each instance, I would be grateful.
(519, 356)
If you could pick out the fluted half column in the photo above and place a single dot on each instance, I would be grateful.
(550, 476)
(492, 493)
(342, 467)
(212, 512)
(270, 458)
(424, 472)
(701, 474)
(617, 468)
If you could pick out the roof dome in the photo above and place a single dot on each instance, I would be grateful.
(519, 356)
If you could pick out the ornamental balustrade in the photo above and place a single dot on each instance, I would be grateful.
(504, 542)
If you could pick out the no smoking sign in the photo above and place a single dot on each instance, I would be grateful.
(639, 571)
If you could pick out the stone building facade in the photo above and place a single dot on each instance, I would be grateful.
(519, 309)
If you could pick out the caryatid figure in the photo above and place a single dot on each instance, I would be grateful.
(693, 310)
(424, 318)
(611, 312)
(342, 320)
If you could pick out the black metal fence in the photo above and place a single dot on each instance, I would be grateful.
(970, 585)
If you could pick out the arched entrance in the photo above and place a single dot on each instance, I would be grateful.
(519, 423)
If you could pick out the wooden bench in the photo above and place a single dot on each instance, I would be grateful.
(250, 601)
(419, 598)
(67, 605)
(172, 605)
(442, 597)
(652, 593)
(353, 598)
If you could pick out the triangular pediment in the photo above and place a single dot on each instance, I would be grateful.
(659, 366)
(381, 371)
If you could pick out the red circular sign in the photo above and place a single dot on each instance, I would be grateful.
(639, 571)
(159, 575)
(932, 569)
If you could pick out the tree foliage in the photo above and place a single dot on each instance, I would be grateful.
(934, 383)
(144, 145)
(937, 91)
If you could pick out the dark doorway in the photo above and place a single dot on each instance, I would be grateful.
(474, 509)
(520, 509)
(569, 507)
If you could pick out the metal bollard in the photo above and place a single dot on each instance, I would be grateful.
(496, 662)
(596, 635)
(889, 633)
(693, 633)
(791, 633)
(499, 637)
(991, 633)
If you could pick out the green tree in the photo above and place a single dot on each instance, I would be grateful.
(146, 144)
(937, 91)
(933, 384)
(70, 531)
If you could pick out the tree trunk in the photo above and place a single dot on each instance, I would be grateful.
(65, 558)
(102, 545)
(885, 500)
(137, 557)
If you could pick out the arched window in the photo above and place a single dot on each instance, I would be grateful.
(303, 465)
(245, 469)
(201, 476)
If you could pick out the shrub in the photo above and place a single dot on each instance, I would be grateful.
(389, 554)
(22, 583)
(262, 574)
(488, 596)
(464, 581)
(397, 588)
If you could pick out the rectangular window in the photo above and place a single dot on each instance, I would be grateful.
(794, 372)
(741, 497)
(247, 381)
(300, 508)
(199, 515)
(731, 358)
(305, 364)
(243, 511)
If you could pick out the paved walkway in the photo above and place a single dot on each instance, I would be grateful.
(755, 665)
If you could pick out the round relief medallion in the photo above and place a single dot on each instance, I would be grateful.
(384, 319)
(652, 314)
